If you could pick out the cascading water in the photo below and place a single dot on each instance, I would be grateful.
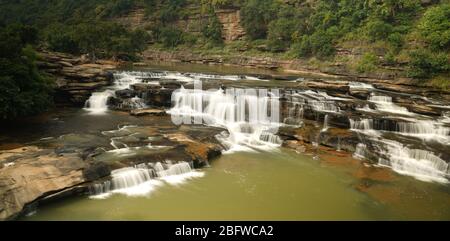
(249, 118)
(143, 178)
(325, 123)
(422, 164)
(97, 104)
(385, 104)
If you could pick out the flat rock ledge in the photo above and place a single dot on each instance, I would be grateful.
(75, 77)
(32, 175)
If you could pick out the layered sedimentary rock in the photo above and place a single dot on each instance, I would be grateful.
(75, 77)
(30, 175)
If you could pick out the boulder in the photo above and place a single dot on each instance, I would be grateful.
(35, 173)
(126, 93)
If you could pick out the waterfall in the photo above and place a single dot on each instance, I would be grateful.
(360, 85)
(250, 119)
(143, 178)
(364, 124)
(423, 129)
(360, 152)
(421, 164)
(97, 104)
(325, 123)
(385, 104)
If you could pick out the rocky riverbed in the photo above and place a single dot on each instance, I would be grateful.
(396, 126)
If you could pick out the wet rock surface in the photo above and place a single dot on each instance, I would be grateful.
(376, 124)
(61, 167)
(76, 78)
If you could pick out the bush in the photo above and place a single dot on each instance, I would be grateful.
(425, 64)
(378, 30)
(120, 7)
(302, 48)
(23, 91)
(280, 34)
(389, 58)
(170, 36)
(99, 39)
(322, 44)
(435, 26)
(256, 16)
(212, 30)
(62, 39)
(396, 41)
(367, 63)
(319, 44)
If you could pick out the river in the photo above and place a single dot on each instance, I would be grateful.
(252, 182)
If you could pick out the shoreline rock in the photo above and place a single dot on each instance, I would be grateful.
(75, 78)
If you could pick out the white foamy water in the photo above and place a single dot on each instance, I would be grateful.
(421, 164)
(385, 104)
(247, 116)
(97, 104)
(423, 129)
(143, 179)
(360, 85)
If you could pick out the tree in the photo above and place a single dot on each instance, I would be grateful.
(256, 16)
(425, 64)
(212, 30)
(435, 26)
(23, 90)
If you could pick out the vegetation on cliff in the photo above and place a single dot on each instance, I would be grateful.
(23, 89)
(403, 34)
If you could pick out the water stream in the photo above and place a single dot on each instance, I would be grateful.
(398, 169)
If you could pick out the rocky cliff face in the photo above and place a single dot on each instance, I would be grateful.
(75, 77)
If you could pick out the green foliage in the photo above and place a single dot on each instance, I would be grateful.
(256, 16)
(280, 35)
(99, 39)
(389, 58)
(396, 41)
(367, 63)
(61, 38)
(212, 30)
(425, 64)
(169, 36)
(435, 26)
(120, 7)
(378, 30)
(302, 48)
(23, 91)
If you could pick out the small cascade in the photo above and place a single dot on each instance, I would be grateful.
(325, 123)
(421, 164)
(295, 114)
(385, 104)
(360, 85)
(323, 106)
(423, 128)
(338, 147)
(364, 124)
(318, 101)
(250, 118)
(98, 102)
(143, 178)
(360, 152)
